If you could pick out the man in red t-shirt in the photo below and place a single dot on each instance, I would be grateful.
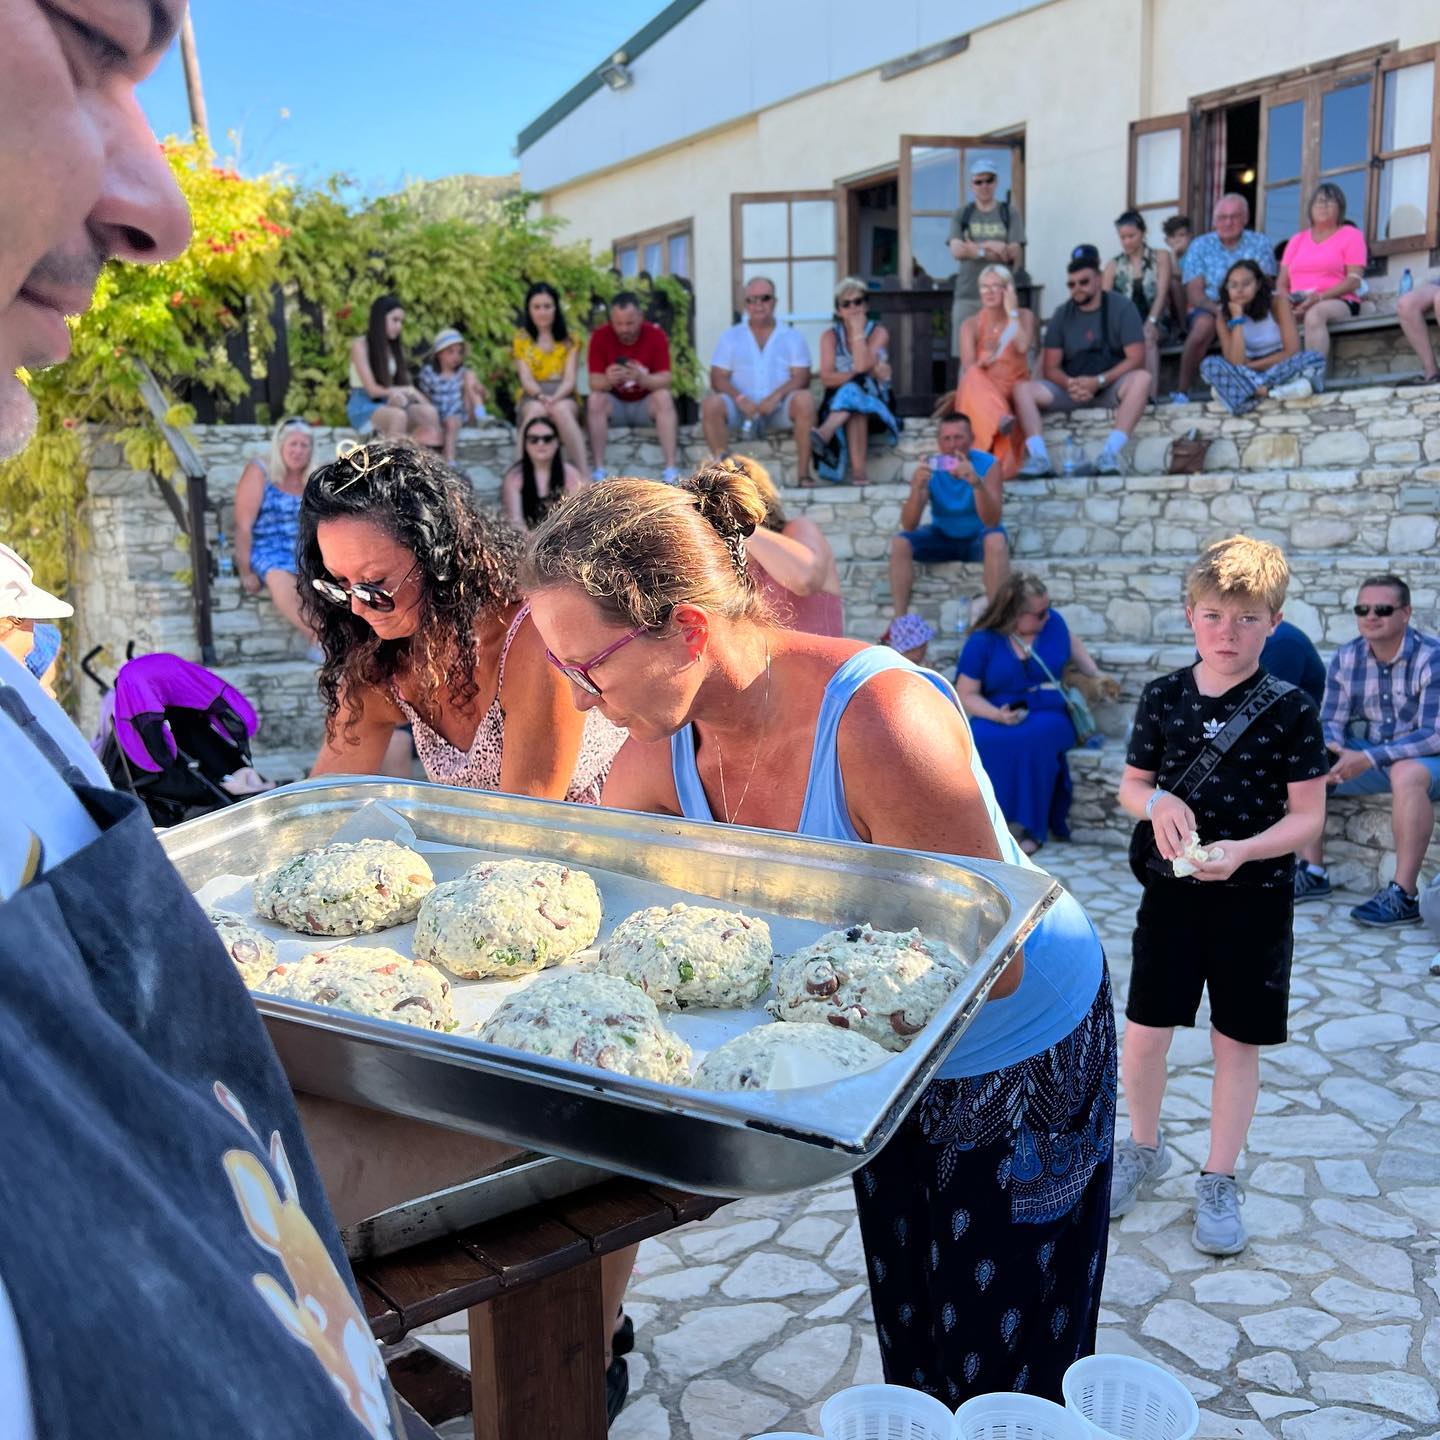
(630, 382)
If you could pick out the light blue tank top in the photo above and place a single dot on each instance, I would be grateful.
(1063, 960)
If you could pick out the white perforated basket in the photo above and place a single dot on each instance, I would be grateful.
(1118, 1397)
(885, 1412)
(1008, 1416)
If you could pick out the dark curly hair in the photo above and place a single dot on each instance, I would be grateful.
(465, 559)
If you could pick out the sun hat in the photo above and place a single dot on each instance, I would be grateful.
(446, 338)
(21, 598)
(908, 632)
(984, 165)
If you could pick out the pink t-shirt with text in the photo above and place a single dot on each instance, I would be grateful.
(1318, 267)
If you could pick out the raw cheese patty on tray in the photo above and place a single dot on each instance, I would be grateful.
(350, 887)
(689, 955)
(508, 917)
(596, 1019)
(366, 980)
(885, 984)
(254, 954)
(758, 1059)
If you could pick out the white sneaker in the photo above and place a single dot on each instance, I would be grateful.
(1297, 389)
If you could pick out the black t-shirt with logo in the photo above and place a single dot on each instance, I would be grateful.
(1247, 792)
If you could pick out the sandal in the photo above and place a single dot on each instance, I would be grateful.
(806, 482)
(1418, 380)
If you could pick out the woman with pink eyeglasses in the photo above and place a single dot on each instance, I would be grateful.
(410, 588)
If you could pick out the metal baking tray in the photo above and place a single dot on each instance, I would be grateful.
(745, 1143)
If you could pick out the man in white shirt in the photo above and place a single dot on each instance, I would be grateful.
(760, 381)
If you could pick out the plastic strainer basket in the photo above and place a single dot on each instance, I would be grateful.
(885, 1412)
(1120, 1396)
(1006, 1415)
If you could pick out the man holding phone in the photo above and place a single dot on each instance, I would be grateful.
(630, 382)
(962, 487)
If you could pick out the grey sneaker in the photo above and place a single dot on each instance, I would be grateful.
(1036, 467)
(1111, 462)
(1135, 1166)
(1219, 1230)
(1309, 885)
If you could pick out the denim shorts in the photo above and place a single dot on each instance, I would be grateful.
(1376, 780)
(360, 409)
(932, 546)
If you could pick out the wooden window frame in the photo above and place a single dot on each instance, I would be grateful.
(1153, 126)
(1311, 83)
(738, 258)
(1013, 140)
(1400, 60)
(662, 233)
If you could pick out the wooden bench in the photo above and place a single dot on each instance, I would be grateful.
(531, 1284)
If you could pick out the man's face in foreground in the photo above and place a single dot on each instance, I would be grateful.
(81, 176)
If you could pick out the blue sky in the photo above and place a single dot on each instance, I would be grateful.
(385, 91)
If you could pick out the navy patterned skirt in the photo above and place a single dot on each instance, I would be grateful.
(985, 1221)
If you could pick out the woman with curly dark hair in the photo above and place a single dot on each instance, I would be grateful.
(410, 589)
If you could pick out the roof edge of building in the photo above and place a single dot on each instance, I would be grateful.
(633, 48)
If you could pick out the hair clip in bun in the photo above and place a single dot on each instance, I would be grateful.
(357, 455)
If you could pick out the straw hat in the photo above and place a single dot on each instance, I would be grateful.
(445, 339)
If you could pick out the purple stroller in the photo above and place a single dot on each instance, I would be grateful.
(170, 733)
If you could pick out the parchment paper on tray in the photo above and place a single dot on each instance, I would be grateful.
(476, 1000)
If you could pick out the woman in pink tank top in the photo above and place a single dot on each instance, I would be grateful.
(410, 588)
(793, 564)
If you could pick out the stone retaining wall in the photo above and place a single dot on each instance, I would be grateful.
(1348, 483)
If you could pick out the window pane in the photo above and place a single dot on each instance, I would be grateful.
(928, 236)
(1345, 127)
(1002, 157)
(777, 274)
(1282, 212)
(812, 227)
(1283, 149)
(1405, 198)
(814, 282)
(625, 260)
(679, 255)
(1405, 120)
(934, 178)
(652, 257)
(762, 228)
(1157, 167)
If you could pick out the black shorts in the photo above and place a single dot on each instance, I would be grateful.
(1236, 939)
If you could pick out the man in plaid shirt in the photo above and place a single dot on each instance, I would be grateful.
(1381, 719)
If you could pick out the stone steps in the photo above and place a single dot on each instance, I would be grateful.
(1358, 843)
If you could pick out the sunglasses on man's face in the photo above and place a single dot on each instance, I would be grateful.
(982, 179)
(1381, 612)
(371, 596)
(758, 299)
(579, 675)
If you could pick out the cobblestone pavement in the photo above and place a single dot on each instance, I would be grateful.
(1326, 1328)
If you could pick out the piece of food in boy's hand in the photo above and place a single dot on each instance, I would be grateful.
(1194, 855)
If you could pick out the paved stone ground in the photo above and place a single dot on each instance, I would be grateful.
(1326, 1328)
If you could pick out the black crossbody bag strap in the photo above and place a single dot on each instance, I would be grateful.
(1200, 769)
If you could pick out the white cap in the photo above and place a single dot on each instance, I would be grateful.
(20, 597)
(983, 165)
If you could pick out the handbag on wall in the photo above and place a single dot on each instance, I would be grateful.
(1076, 705)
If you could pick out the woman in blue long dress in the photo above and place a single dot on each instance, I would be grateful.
(1006, 679)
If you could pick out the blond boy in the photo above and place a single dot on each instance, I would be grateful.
(1225, 773)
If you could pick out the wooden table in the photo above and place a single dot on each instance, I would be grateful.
(531, 1282)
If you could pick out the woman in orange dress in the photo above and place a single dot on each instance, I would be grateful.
(995, 346)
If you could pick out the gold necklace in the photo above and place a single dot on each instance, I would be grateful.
(754, 759)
